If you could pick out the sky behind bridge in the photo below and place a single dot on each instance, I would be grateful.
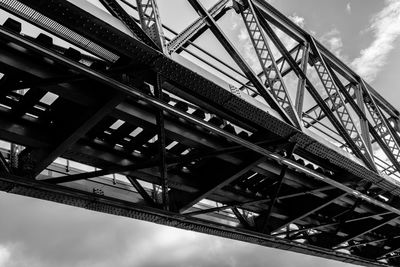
(363, 33)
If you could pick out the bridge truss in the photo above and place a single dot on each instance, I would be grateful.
(111, 110)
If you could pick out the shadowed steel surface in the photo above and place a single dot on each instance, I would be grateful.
(118, 113)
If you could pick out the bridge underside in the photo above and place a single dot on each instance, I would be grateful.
(130, 130)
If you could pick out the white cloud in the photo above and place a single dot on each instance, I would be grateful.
(348, 8)
(333, 41)
(298, 20)
(385, 26)
(4, 255)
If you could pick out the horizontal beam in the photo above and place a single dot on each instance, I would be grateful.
(108, 205)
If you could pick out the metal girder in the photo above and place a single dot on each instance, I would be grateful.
(45, 157)
(100, 77)
(275, 195)
(390, 218)
(116, 10)
(114, 206)
(149, 200)
(280, 61)
(272, 74)
(241, 218)
(319, 206)
(47, 82)
(302, 82)
(196, 27)
(158, 92)
(317, 114)
(369, 242)
(213, 188)
(392, 253)
(295, 233)
(356, 141)
(171, 161)
(357, 107)
(300, 35)
(346, 214)
(4, 166)
(93, 174)
(384, 136)
(151, 22)
(269, 98)
(257, 201)
(190, 119)
(363, 119)
(314, 93)
(32, 96)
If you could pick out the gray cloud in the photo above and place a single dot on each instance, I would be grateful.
(348, 8)
(385, 25)
(38, 233)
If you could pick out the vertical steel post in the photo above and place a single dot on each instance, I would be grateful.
(302, 81)
(275, 195)
(162, 144)
(363, 121)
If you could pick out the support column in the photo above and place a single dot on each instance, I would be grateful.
(161, 141)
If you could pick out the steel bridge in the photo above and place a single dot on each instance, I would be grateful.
(105, 107)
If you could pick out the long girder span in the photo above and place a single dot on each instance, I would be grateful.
(113, 119)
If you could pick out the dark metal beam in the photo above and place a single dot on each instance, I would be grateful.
(45, 157)
(387, 254)
(370, 242)
(151, 22)
(302, 82)
(272, 74)
(294, 233)
(384, 221)
(158, 92)
(196, 28)
(241, 218)
(314, 93)
(152, 101)
(213, 188)
(265, 226)
(171, 162)
(77, 198)
(381, 131)
(47, 82)
(240, 61)
(317, 207)
(317, 114)
(117, 11)
(4, 166)
(351, 134)
(280, 61)
(88, 175)
(382, 135)
(268, 12)
(258, 201)
(149, 200)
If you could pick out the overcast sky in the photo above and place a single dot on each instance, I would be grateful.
(363, 33)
